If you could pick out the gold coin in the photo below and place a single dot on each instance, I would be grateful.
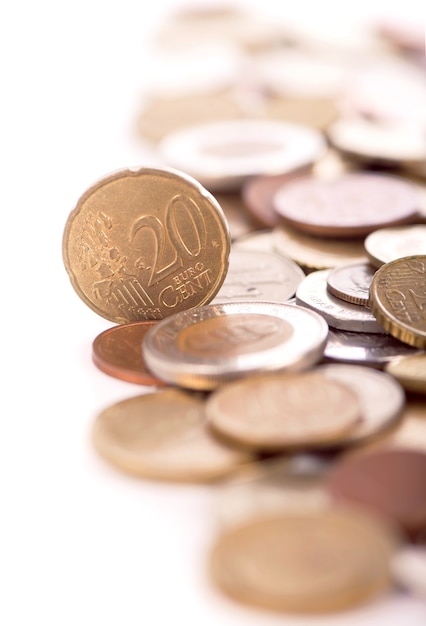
(398, 299)
(410, 371)
(310, 562)
(283, 411)
(163, 435)
(143, 244)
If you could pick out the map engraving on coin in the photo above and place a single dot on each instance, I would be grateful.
(142, 244)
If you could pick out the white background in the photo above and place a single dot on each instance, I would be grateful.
(82, 544)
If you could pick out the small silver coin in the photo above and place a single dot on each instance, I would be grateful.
(259, 276)
(382, 398)
(388, 244)
(222, 155)
(369, 349)
(209, 345)
(351, 283)
(312, 293)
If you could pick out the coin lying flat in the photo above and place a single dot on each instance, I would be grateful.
(410, 371)
(317, 561)
(259, 276)
(283, 411)
(381, 397)
(163, 435)
(204, 347)
(409, 433)
(351, 283)
(142, 244)
(117, 352)
(312, 293)
(313, 253)
(352, 205)
(370, 349)
(222, 155)
(409, 569)
(388, 244)
(398, 299)
(388, 481)
(240, 220)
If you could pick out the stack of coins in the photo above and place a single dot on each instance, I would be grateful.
(266, 283)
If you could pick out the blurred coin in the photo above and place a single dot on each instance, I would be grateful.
(117, 352)
(158, 117)
(364, 348)
(163, 435)
(313, 253)
(240, 220)
(381, 397)
(207, 346)
(259, 276)
(388, 244)
(405, 32)
(351, 283)
(277, 412)
(370, 141)
(352, 205)
(145, 243)
(409, 569)
(222, 155)
(410, 432)
(312, 293)
(258, 241)
(398, 299)
(389, 482)
(311, 562)
(410, 371)
(314, 112)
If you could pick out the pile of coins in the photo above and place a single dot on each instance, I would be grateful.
(267, 286)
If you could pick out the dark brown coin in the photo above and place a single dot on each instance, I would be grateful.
(117, 352)
(352, 205)
(257, 193)
(389, 482)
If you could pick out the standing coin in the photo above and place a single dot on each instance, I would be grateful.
(277, 412)
(117, 352)
(388, 244)
(259, 276)
(410, 371)
(352, 205)
(312, 293)
(205, 347)
(311, 562)
(398, 299)
(163, 435)
(143, 244)
(351, 283)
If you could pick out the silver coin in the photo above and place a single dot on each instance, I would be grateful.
(381, 397)
(259, 276)
(204, 347)
(409, 569)
(370, 349)
(312, 293)
(351, 282)
(388, 244)
(222, 155)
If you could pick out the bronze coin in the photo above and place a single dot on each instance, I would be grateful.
(143, 244)
(391, 482)
(117, 352)
(352, 205)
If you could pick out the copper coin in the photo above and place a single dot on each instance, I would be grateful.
(117, 352)
(145, 243)
(258, 191)
(352, 205)
(398, 299)
(390, 482)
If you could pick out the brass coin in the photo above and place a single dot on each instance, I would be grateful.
(164, 436)
(410, 371)
(283, 411)
(398, 299)
(307, 562)
(351, 283)
(146, 243)
(117, 352)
